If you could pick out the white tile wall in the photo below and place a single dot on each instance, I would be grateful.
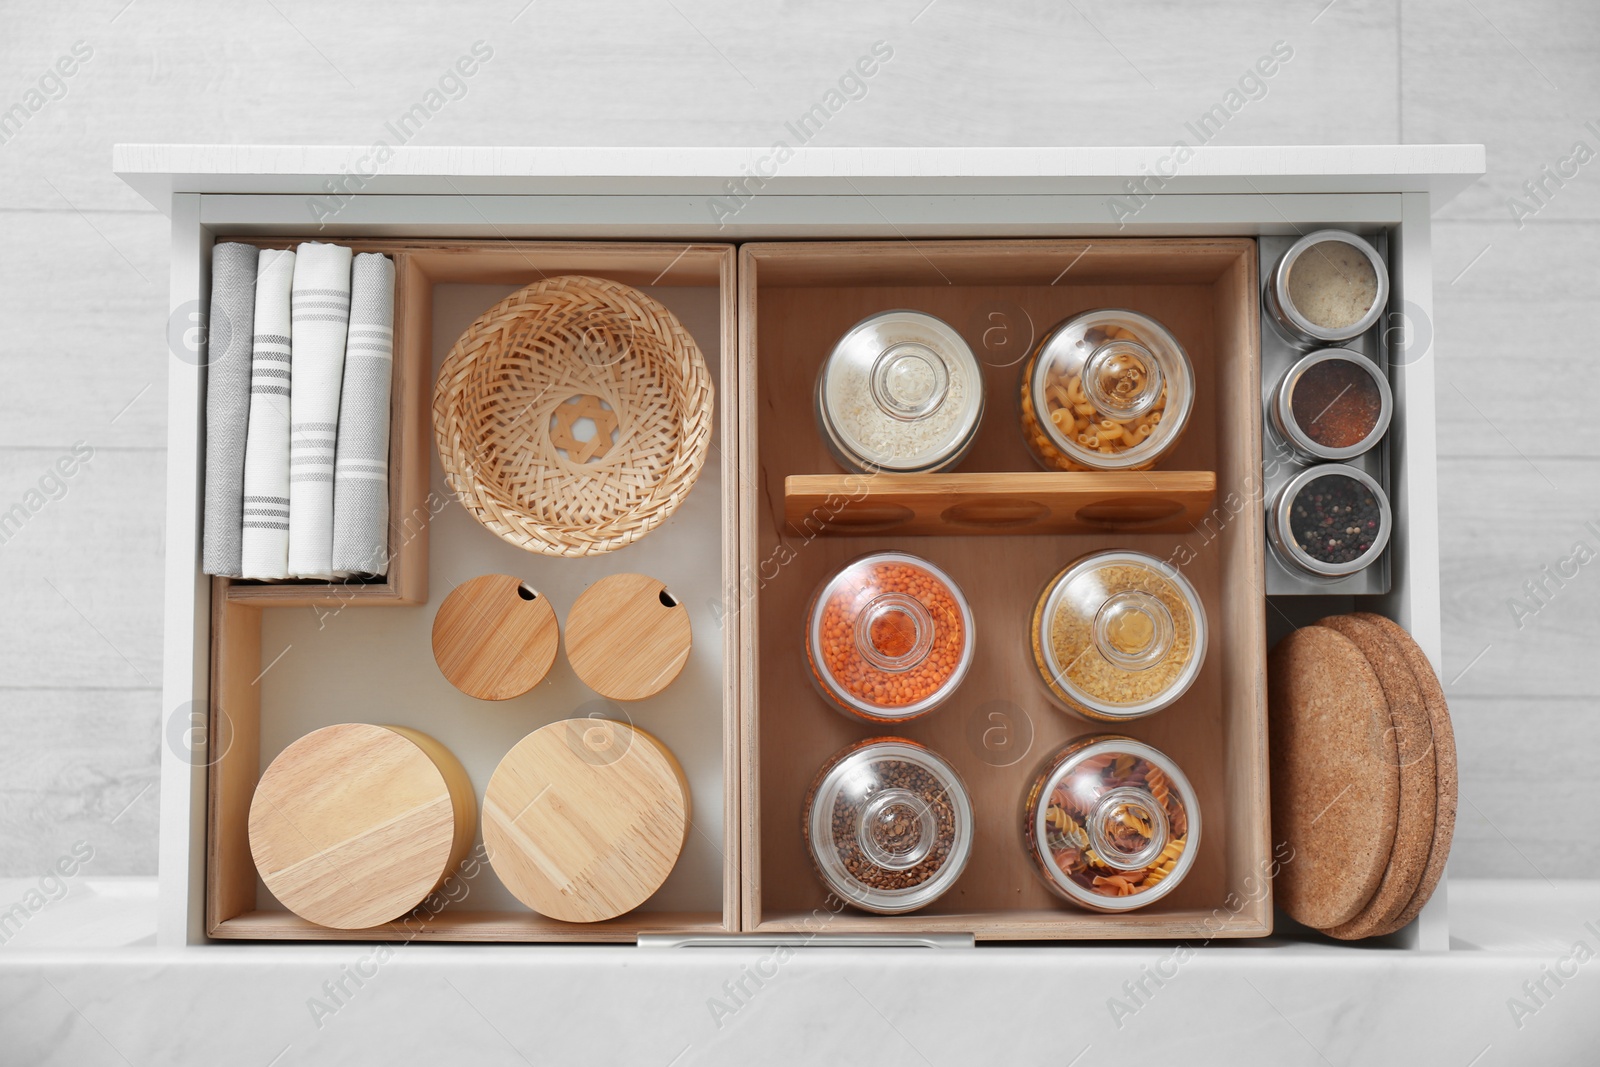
(83, 292)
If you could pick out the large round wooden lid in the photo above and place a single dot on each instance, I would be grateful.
(584, 819)
(628, 637)
(354, 825)
(495, 637)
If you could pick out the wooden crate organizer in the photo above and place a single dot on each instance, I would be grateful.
(237, 907)
(795, 301)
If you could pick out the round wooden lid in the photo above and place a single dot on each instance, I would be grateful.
(584, 819)
(354, 825)
(495, 637)
(1335, 776)
(627, 637)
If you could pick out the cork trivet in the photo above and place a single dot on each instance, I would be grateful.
(494, 637)
(1444, 763)
(1335, 790)
(628, 637)
(1413, 747)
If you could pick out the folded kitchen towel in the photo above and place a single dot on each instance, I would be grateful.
(361, 472)
(229, 323)
(266, 451)
(320, 317)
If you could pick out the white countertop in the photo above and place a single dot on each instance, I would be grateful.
(82, 985)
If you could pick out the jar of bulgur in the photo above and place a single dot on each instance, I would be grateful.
(888, 824)
(1111, 824)
(889, 637)
(1118, 635)
(1105, 390)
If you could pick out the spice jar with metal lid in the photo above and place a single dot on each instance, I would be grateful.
(889, 637)
(1329, 286)
(1332, 404)
(1118, 635)
(888, 824)
(1105, 390)
(1111, 824)
(1330, 521)
(901, 392)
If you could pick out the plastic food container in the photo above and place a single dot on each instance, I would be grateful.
(1105, 390)
(1118, 635)
(889, 637)
(1333, 404)
(1111, 824)
(1330, 521)
(901, 392)
(889, 825)
(1329, 286)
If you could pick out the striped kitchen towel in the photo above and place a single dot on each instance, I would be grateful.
(266, 453)
(229, 324)
(361, 474)
(320, 317)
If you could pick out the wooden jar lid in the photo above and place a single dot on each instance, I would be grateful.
(627, 637)
(495, 637)
(354, 825)
(584, 819)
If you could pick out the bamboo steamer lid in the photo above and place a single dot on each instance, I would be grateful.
(495, 637)
(584, 819)
(627, 637)
(354, 825)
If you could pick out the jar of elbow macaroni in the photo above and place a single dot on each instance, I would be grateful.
(1105, 390)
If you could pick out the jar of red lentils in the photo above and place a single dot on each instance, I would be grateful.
(1118, 635)
(889, 637)
(1105, 390)
(1111, 824)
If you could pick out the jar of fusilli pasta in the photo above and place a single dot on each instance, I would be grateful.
(1111, 824)
(1105, 390)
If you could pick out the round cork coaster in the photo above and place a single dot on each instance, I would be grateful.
(1335, 790)
(1413, 748)
(495, 637)
(354, 825)
(585, 818)
(628, 637)
(1444, 762)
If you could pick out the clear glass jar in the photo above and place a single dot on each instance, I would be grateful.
(1330, 521)
(1118, 635)
(1111, 824)
(901, 392)
(889, 637)
(1333, 404)
(1105, 390)
(1330, 286)
(888, 824)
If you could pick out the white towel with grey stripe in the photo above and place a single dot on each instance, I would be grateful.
(320, 318)
(229, 323)
(266, 453)
(361, 471)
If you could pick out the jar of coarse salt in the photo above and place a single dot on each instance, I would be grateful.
(901, 392)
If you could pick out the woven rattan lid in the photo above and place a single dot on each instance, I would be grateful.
(628, 637)
(495, 637)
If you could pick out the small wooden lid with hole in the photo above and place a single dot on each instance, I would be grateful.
(584, 819)
(628, 637)
(354, 825)
(495, 637)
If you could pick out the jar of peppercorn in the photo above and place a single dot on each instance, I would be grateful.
(888, 638)
(1111, 824)
(1117, 635)
(1105, 390)
(1330, 521)
(888, 824)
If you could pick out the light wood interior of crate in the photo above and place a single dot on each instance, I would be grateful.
(234, 907)
(796, 300)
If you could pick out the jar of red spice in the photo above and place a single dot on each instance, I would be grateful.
(1332, 404)
(1111, 824)
(889, 637)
